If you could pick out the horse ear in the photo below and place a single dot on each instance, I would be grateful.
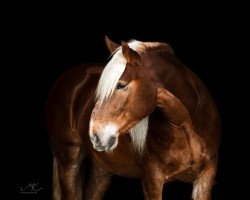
(111, 45)
(131, 56)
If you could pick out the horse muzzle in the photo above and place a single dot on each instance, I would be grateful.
(102, 144)
(104, 137)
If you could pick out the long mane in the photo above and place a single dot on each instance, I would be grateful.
(113, 72)
(106, 87)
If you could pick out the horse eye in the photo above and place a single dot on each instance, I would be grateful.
(121, 86)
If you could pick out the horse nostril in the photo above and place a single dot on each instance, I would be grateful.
(111, 141)
(95, 138)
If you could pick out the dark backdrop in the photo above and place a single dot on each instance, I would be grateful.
(51, 40)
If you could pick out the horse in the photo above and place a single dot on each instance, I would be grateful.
(143, 115)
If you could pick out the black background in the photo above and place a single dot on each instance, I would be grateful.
(49, 39)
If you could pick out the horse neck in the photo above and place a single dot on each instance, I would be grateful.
(189, 89)
(178, 83)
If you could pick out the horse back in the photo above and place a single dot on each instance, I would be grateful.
(204, 113)
(68, 99)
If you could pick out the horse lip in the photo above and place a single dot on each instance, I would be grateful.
(106, 149)
(98, 148)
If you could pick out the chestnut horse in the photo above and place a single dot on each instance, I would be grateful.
(143, 115)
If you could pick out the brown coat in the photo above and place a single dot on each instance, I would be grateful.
(183, 135)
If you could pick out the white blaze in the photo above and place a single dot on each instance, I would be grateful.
(106, 132)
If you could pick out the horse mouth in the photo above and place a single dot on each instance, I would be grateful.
(110, 145)
(105, 149)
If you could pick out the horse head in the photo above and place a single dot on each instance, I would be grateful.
(126, 94)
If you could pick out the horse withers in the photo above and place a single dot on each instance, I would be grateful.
(143, 115)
